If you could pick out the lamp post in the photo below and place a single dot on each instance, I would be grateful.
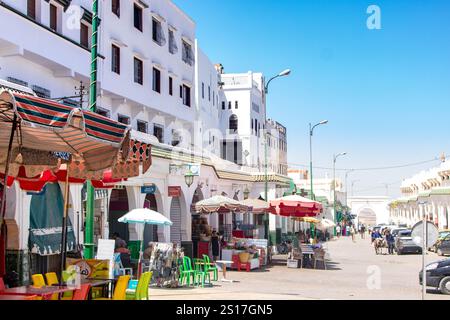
(346, 186)
(189, 178)
(311, 132)
(335, 157)
(266, 186)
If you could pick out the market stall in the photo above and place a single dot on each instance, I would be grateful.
(252, 251)
(219, 204)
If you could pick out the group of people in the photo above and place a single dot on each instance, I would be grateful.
(346, 230)
(387, 236)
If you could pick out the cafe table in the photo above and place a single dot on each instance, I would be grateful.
(44, 292)
(308, 251)
(223, 265)
(12, 297)
(94, 282)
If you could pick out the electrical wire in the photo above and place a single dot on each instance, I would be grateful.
(369, 169)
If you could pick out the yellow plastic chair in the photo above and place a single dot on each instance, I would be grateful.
(52, 279)
(38, 280)
(120, 289)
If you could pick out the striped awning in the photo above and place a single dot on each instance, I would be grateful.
(46, 126)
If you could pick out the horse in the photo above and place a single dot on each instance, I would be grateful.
(379, 244)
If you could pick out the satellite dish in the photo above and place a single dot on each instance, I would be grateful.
(432, 233)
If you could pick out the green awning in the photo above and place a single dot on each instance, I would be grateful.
(440, 192)
(46, 215)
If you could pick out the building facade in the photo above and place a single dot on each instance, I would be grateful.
(426, 193)
(154, 77)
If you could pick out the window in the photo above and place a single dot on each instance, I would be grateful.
(138, 71)
(223, 105)
(171, 86)
(41, 92)
(84, 35)
(115, 59)
(158, 132)
(137, 17)
(181, 92)
(53, 17)
(209, 93)
(236, 105)
(233, 125)
(31, 9)
(229, 104)
(123, 119)
(156, 80)
(186, 95)
(116, 7)
(102, 112)
(214, 98)
(142, 126)
(172, 43)
(187, 53)
(251, 120)
(203, 90)
(157, 32)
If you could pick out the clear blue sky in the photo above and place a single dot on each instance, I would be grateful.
(385, 92)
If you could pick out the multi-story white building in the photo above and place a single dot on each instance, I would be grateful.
(153, 76)
(426, 193)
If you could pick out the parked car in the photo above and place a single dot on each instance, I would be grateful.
(404, 243)
(443, 247)
(438, 276)
(395, 231)
(442, 235)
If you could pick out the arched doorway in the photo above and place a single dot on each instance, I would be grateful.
(150, 231)
(118, 206)
(175, 217)
(367, 217)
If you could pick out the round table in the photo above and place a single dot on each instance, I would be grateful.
(223, 264)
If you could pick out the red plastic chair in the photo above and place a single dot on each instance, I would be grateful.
(2, 285)
(238, 264)
(82, 293)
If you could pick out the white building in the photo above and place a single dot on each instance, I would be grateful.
(153, 76)
(323, 191)
(426, 193)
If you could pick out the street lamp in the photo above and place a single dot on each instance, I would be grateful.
(346, 186)
(189, 178)
(281, 74)
(266, 187)
(335, 157)
(311, 132)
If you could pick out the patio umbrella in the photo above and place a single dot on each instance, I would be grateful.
(256, 206)
(307, 219)
(325, 224)
(295, 206)
(219, 204)
(37, 135)
(145, 216)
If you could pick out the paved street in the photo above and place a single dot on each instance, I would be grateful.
(346, 278)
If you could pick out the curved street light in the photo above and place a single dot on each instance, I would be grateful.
(266, 187)
(311, 132)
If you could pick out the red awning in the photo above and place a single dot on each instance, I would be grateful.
(295, 206)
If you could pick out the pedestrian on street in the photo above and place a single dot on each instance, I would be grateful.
(338, 230)
(363, 231)
(352, 233)
(390, 241)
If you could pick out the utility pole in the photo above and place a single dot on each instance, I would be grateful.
(89, 231)
(81, 93)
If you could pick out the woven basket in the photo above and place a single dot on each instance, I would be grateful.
(244, 256)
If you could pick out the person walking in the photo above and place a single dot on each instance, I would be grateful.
(338, 230)
(215, 245)
(352, 232)
(363, 231)
(390, 242)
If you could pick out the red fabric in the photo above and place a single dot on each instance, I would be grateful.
(36, 184)
(82, 293)
(238, 234)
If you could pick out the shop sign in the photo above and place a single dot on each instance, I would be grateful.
(182, 170)
(150, 189)
(175, 192)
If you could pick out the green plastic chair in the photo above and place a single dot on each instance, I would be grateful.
(200, 273)
(187, 272)
(141, 292)
(210, 267)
